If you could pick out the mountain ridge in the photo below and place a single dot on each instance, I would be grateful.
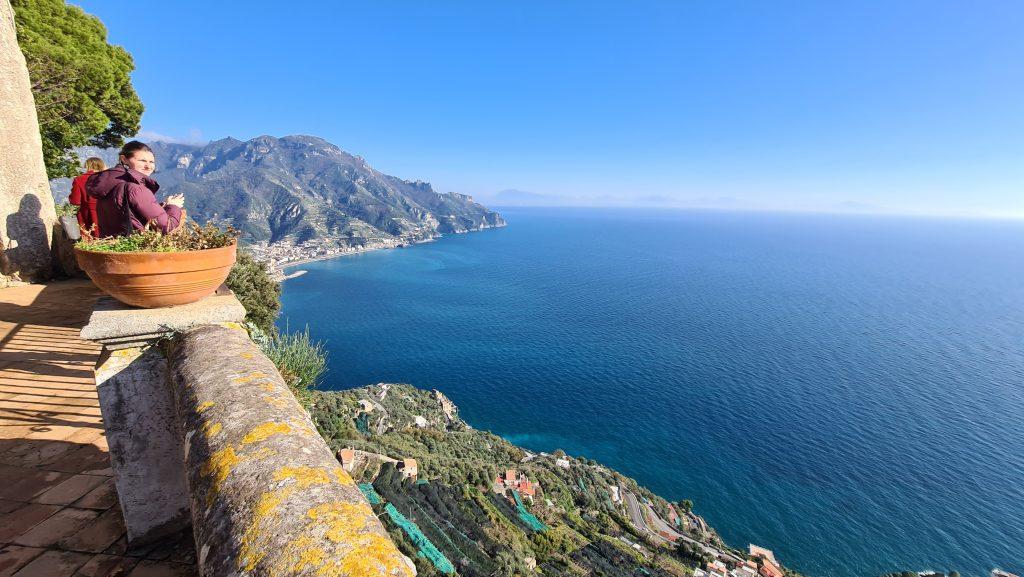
(295, 189)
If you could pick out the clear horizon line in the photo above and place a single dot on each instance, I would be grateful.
(822, 212)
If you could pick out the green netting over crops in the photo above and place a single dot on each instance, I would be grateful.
(370, 493)
(427, 549)
(527, 517)
(363, 423)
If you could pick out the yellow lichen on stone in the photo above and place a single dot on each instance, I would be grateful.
(210, 429)
(203, 407)
(249, 378)
(365, 554)
(279, 403)
(299, 554)
(256, 534)
(308, 431)
(303, 476)
(219, 466)
(261, 453)
(268, 387)
(358, 550)
(265, 431)
(343, 521)
(247, 356)
(309, 555)
(373, 554)
(261, 527)
(343, 477)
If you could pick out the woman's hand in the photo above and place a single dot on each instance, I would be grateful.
(177, 200)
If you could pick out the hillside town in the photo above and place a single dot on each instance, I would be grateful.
(284, 254)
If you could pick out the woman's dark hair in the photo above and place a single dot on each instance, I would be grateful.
(130, 148)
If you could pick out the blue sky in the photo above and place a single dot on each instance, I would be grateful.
(906, 107)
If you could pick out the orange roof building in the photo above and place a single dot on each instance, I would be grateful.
(408, 468)
(769, 569)
(347, 458)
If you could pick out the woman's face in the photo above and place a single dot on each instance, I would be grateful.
(142, 161)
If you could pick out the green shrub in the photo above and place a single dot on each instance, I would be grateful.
(66, 209)
(299, 359)
(256, 290)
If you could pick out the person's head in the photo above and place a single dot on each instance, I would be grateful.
(137, 156)
(95, 164)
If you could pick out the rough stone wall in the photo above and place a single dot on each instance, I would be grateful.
(268, 497)
(26, 206)
(145, 445)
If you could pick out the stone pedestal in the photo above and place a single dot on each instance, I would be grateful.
(139, 413)
(116, 325)
(145, 444)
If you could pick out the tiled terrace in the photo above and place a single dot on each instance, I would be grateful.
(59, 515)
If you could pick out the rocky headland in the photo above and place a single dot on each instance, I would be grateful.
(301, 198)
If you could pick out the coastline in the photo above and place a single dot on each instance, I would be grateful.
(279, 269)
(558, 488)
(727, 484)
(356, 251)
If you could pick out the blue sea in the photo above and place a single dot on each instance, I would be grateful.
(845, 390)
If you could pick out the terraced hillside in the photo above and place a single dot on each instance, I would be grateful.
(488, 507)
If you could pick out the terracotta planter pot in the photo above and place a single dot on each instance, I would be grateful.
(158, 279)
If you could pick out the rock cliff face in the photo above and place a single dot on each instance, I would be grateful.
(299, 188)
(26, 210)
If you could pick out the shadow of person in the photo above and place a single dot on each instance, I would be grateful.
(27, 247)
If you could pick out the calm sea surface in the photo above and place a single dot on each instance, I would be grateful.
(848, 391)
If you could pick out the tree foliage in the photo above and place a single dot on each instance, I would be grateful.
(81, 84)
(256, 290)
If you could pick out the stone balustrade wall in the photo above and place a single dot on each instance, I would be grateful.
(268, 497)
(210, 431)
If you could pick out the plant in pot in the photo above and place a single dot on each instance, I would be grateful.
(66, 232)
(149, 269)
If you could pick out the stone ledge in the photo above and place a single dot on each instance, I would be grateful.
(120, 326)
(268, 497)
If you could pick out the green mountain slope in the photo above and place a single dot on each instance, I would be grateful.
(481, 506)
(296, 189)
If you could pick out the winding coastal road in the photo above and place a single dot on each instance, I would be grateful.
(636, 515)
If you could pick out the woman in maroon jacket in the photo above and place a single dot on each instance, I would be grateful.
(126, 199)
(85, 203)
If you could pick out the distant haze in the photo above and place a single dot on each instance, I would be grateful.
(522, 198)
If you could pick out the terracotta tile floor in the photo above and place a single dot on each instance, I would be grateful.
(59, 515)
